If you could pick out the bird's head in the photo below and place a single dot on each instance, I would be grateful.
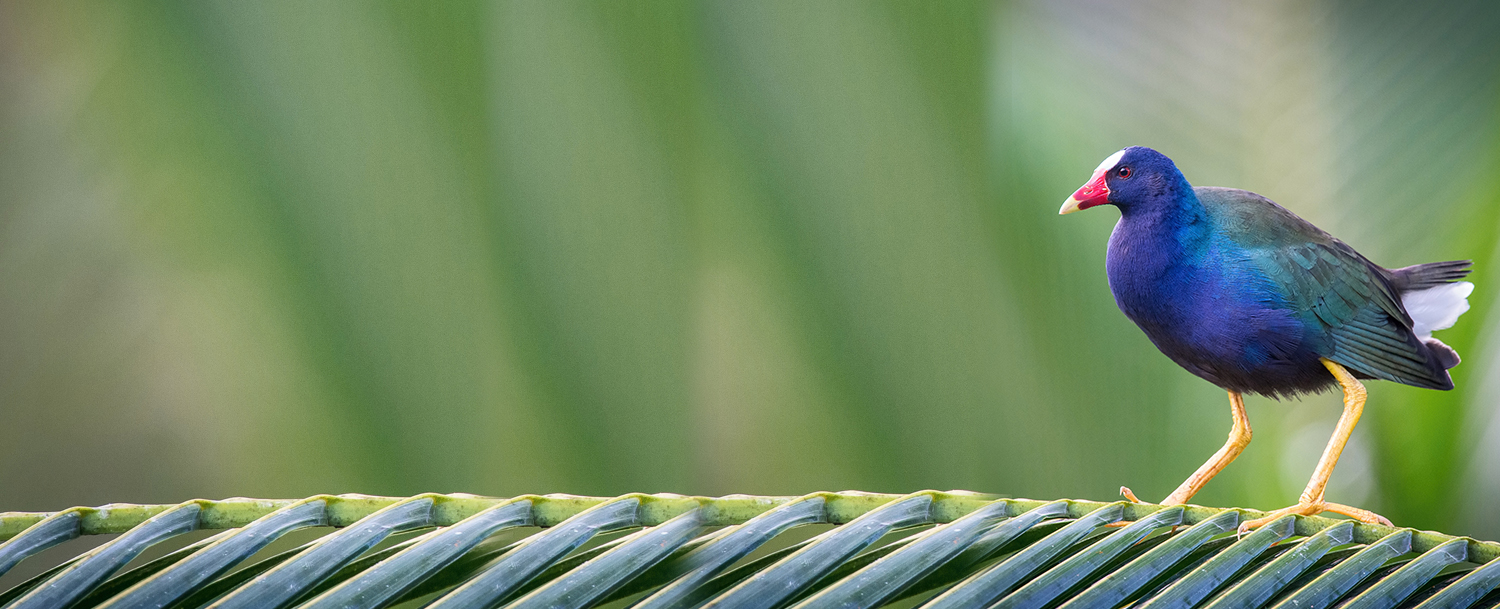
(1131, 176)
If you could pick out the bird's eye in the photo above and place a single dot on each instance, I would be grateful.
(1123, 172)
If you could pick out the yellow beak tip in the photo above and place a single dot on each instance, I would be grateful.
(1069, 206)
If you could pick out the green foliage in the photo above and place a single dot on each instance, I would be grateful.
(954, 549)
(702, 247)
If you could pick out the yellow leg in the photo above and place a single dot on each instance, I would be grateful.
(1311, 502)
(1239, 438)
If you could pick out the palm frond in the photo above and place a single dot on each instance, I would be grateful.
(942, 549)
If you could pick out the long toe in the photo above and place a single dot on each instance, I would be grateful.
(1301, 509)
(1362, 515)
(1313, 509)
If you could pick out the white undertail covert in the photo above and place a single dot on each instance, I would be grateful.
(1436, 308)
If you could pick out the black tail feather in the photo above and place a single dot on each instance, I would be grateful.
(1432, 274)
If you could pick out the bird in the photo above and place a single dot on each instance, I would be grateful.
(1246, 295)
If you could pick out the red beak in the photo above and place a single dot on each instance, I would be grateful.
(1093, 194)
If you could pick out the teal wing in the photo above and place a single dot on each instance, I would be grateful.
(1365, 326)
(1353, 300)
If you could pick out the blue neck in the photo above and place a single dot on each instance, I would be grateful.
(1173, 224)
(1156, 259)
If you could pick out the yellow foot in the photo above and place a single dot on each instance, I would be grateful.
(1315, 508)
(1129, 495)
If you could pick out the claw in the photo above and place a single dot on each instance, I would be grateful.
(1129, 496)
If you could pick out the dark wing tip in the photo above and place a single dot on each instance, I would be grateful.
(1432, 274)
(1442, 353)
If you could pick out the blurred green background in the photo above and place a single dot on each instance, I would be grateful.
(278, 249)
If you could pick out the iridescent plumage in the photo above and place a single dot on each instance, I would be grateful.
(1245, 294)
